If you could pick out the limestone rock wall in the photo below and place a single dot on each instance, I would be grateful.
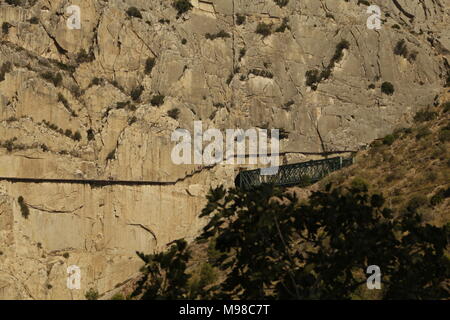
(99, 81)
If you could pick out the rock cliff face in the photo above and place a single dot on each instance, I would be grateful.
(101, 102)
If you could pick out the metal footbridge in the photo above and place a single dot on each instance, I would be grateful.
(300, 174)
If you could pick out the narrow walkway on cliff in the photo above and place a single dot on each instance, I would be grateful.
(285, 170)
(300, 174)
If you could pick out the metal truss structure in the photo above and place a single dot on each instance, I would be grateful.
(302, 174)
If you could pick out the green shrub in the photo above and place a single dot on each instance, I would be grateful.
(182, 6)
(416, 202)
(389, 139)
(157, 100)
(96, 82)
(9, 145)
(23, 207)
(412, 56)
(423, 132)
(4, 69)
(164, 21)
(34, 20)
(312, 78)
(284, 25)
(132, 120)
(111, 155)
(122, 104)
(134, 12)
(76, 91)
(84, 57)
(401, 49)
(261, 73)
(339, 52)
(430, 176)
(5, 27)
(56, 79)
(174, 113)
(325, 74)
(118, 296)
(240, 19)
(264, 29)
(364, 2)
(77, 136)
(283, 134)
(387, 88)
(242, 53)
(14, 2)
(281, 3)
(92, 294)
(149, 64)
(360, 184)
(66, 255)
(66, 104)
(220, 34)
(446, 107)
(438, 197)
(425, 115)
(444, 135)
(64, 66)
(207, 276)
(213, 253)
(136, 93)
(68, 133)
(90, 135)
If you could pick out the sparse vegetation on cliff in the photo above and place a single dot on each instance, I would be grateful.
(174, 113)
(92, 294)
(240, 19)
(314, 77)
(134, 12)
(221, 34)
(5, 27)
(54, 78)
(182, 6)
(137, 92)
(84, 57)
(281, 3)
(149, 64)
(23, 207)
(4, 69)
(409, 162)
(387, 88)
(157, 100)
(264, 29)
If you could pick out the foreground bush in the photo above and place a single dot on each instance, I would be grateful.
(182, 6)
(271, 247)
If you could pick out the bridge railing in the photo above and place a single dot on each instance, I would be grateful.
(302, 174)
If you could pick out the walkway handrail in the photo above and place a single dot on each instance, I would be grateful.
(302, 173)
